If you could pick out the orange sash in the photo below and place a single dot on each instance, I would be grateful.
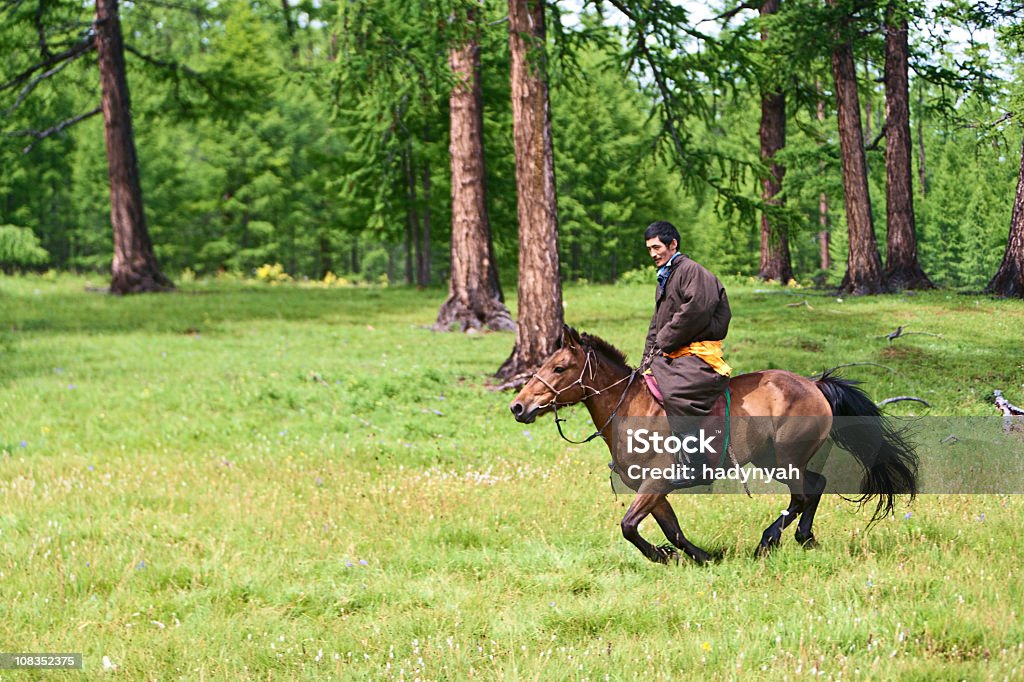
(708, 351)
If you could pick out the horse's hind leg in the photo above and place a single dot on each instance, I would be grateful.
(816, 484)
(642, 506)
(666, 518)
(773, 533)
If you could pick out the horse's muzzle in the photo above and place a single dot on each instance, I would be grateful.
(522, 415)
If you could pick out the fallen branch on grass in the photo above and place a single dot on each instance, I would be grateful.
(903, 397)
(853, 364)
(899, 331)
(515, 382)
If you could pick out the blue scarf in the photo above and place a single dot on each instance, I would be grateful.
(664, 271)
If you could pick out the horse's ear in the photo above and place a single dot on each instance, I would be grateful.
(570, 339)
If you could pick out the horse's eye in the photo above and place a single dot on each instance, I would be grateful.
(559, 370)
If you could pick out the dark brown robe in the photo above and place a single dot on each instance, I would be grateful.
(691, 307)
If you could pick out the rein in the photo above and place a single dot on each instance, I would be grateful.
(587, 367)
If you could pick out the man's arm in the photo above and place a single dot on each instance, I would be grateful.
(697, 295)
(652, 332)
(718, 327)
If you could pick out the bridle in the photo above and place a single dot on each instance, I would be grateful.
(588, 368)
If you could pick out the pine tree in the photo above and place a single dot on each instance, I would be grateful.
(474, 292)
(1009, 278)
(539, 322)
(864, 266)
(775, 259)
(902, 269)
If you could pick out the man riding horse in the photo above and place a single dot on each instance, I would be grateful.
(684, 342)
(691, 318)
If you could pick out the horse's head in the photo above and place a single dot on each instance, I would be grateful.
(558, 381)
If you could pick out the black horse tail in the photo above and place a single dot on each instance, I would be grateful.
(889, 461)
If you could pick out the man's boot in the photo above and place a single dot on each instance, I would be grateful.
(698, 468)
(697, 465)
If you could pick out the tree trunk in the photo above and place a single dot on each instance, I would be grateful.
(920, 141)
(289, 27)
(864, 266)
(902, 268)
(326, 264)
(1009, 278)
(423, 278)
(540, 289)
(823, 235)
(412, 214)
(474, 293)
(293, 264)
(867, 100)
(775, 260)
(134, 268)
(408, 249)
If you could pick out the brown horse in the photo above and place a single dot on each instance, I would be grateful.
(588, 369)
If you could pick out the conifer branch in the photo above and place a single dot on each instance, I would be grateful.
(878, 138)
(52, 130)
(73, 52)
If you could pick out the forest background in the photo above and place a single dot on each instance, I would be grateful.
(315, 135)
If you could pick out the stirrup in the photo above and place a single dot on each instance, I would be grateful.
(698, 462)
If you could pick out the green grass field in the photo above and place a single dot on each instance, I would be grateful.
(251, 482)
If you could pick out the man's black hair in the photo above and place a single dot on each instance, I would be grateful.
(663, 230)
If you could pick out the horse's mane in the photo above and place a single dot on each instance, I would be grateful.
(601, 346)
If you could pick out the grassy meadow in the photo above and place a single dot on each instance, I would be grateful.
(239, 481)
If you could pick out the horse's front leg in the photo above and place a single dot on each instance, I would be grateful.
(644, 504)
(666, 518)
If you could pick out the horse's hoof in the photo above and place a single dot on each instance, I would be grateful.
(807, 542)
(764, 550)
(667, 554)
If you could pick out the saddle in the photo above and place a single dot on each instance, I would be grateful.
(652, 386)
(720, 408)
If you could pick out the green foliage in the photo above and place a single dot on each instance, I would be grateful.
(20, 246)
(375, 264)
(313, 134)
(610, 184)
(964, 224)
(390, 93)
(646, 275)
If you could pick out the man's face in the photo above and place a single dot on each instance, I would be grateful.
(659, 252)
